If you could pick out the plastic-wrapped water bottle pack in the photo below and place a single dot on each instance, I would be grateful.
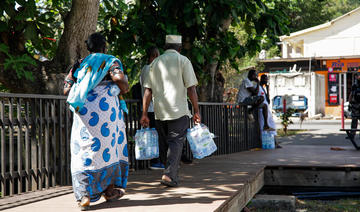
(201, 141)
(146, 144)
(268, 140)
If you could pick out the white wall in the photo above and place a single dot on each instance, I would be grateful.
(317, 98)
(342, 38)
(299, 84)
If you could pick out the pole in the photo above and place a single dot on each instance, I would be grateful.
(310, 103)
(342, 113)
(284, 104)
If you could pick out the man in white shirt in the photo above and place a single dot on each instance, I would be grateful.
(248, 94)
(170, 81)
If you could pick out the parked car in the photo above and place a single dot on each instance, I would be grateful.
(297, 102)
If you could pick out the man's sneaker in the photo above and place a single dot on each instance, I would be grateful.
(251, 117)
(157, 166)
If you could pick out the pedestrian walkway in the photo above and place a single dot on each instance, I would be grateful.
(220, 183)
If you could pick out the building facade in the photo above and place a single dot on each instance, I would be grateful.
(330, 50)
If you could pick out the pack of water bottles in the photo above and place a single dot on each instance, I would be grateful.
(268, 140)
(201, 141)
(146, 144)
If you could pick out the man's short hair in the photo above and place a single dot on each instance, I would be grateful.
(173, 46)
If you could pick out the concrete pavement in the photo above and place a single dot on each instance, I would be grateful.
(212, 184)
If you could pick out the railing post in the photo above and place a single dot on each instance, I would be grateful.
(34, 150)
(19, 144)
(27, 147)
(4, 156)
(54, 138)
(67, 144)
(246, 121)
(47, 173)
(61, 143)
(227, 144)
(11, 150)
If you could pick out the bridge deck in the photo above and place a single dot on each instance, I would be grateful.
(222, 183)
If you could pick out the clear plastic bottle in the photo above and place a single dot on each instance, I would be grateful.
(114, 89)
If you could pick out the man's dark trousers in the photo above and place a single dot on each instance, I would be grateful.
(172, 135)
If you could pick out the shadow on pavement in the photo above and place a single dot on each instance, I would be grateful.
(210, 182)
(317, 137)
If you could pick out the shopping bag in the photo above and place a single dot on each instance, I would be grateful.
(268, 140)
(146, 144)
(201, 141)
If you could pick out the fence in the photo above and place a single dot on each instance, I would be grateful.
(35, 138)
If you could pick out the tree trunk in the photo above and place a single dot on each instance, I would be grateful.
(214, 91)
(79, 23)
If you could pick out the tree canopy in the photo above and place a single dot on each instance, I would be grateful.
(204, 25)
(40, 39)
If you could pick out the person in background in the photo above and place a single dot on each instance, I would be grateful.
(170, 81)
(354, 100)
(264, 91)
(248, 94)
(151, 54)
(264, 83)
(99, 154)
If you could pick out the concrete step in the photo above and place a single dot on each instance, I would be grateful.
(273, 202)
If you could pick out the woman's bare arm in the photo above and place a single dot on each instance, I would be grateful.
(120, 80)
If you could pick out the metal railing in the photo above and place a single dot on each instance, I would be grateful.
(35, 138)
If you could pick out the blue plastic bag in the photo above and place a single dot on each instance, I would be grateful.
(201, 141)
(146, 144)
(268, 140)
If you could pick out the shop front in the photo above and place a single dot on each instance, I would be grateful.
(340, 75)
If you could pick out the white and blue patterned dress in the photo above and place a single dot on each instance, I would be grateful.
(99, 154)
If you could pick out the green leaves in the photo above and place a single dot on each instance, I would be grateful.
(30, 31)
(203, 25)
(4, 49)
(3, 26)
(285, 119)
(17, 63)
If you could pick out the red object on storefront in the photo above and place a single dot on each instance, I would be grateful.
(333, 98)
(332, 77)
(284, 105)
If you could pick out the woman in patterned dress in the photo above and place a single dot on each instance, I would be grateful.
(99, 154)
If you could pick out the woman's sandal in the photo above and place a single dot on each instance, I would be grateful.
(116, 193)
(84, 204)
